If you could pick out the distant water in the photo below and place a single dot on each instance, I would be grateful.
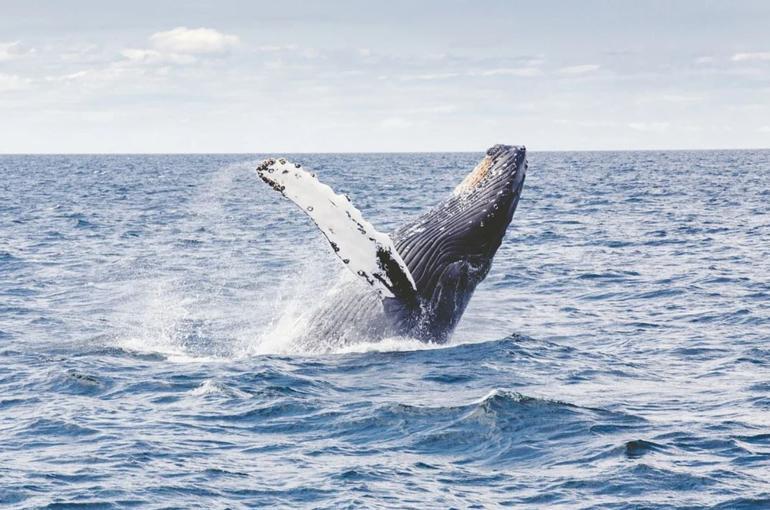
(617, 356)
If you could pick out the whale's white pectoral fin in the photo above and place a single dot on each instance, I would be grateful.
(368, 253)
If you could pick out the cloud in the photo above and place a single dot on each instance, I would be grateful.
(415, 117)
(442, 108)
(681, 98)
(581, 69)
(586, 123)
(68, 77)
(704, 60)
(764, 129)
(141, 55)
(649, 127)
(144, 56)
(11, 82)
(183, 45)
(270, 48)
(532, 61)
(439, 109)
(749, 57)
(193, 41)
(12, 50)
(525, 72)
(395, 123)
(429, 76)
(99, 77)
(674, 97)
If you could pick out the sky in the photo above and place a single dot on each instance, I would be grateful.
(199, 76)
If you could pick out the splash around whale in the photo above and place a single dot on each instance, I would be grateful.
(417, 281)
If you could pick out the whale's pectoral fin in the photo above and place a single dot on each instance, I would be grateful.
(369, 254)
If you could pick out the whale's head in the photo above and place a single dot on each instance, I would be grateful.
(449, 250)
(487, 198)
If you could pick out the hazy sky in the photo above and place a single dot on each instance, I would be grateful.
(312, 76)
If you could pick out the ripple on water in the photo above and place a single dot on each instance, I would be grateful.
(148, 303)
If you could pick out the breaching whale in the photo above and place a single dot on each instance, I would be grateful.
(417, 281)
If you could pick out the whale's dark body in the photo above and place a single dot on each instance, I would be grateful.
(448, 251)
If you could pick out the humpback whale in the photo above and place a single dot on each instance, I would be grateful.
(418, 280)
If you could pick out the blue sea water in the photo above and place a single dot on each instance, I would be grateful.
(617, 356)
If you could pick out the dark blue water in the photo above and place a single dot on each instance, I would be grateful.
(617, 356)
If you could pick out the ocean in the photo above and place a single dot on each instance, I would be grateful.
(617, 355)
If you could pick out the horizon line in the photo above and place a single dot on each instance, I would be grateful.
(215, 153)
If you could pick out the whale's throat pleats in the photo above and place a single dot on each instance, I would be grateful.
(465, 231)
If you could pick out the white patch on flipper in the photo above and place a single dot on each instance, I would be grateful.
(354, 240)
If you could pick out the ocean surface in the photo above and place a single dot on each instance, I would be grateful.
(617, 355)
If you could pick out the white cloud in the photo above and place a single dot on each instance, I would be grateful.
(704, 60)
(99, 76)
(270, 48)
(533, 62)
(81, 53)
(764, 129)
(747, 57)
(681, 98)
(11, 82)
(649, 127)
(586, 123)
(525, 72)
(439, 109)
(12, 50)
(183, 45)
(310, 53)
(144, 56)
(140, 55)
(429, 76)
(395, 123)
(202, 41)
(581, 69)
(442, 108)
(68, 77)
